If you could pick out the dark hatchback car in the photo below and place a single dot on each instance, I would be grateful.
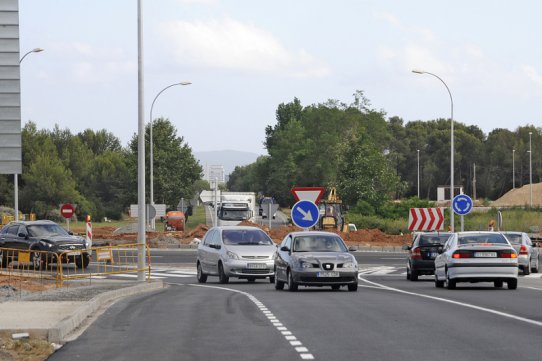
(42, 236)
(422, 253)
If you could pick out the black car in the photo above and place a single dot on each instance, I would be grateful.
(43, 236)
(422, 253)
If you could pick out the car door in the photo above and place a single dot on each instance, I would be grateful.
(204, 250)
(283, 257)
(532, 250)
(10, 238)
(440, 261)
(215, 251)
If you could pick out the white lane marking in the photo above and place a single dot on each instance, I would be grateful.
(533, 288)
(392, 258)
(302, 351)
(126, 275)
(463, 304)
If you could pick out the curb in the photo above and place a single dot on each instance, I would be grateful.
(58, 332)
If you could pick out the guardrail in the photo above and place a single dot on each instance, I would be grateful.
(73, 264)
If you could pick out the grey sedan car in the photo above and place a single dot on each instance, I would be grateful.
(476, 257)
(311, 258)
(235, 251)
(527, 252)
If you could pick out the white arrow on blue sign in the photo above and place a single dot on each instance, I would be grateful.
(462, 204)
(305, 214)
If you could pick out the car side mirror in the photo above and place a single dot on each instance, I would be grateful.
(22, 235)
(406, 248)
(70, 233)
(285, 249)
(352, 249)
(216, 246)
(440, 250)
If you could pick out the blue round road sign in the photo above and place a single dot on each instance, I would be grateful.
(462, 204)
(305, 214)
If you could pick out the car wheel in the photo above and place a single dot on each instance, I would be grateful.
(413, 275)
(271, 279)
(279, 285)
(353, 287)
(38, 261)
(335, 287)
(438, 284)
(498, 284)
(512, 284)
(527, 269)
(202, 277)
(292, 285)
(5, 259)
(82, 261)
(534, 269)
(251, 279)
(408, 273)
(222, 278)
(450, 284)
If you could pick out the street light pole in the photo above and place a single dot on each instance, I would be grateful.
(513, 169)
(530, 171)
(151, 145)
(16, 176)
(418, 151)
(141, 235)
(451, 145)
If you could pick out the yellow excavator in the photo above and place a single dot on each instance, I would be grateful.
(332, 212)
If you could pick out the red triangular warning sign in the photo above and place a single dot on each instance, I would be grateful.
(312, 194)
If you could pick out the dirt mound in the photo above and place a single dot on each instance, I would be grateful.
(520, 197)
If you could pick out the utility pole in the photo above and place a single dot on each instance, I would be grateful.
(474, 185)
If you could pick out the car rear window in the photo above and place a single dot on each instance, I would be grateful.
(475, 239)
(514, 238)
(245, 237)
(433, 240)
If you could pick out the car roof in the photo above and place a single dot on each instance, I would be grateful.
(29, 223)
(236, 228)
(312, 233)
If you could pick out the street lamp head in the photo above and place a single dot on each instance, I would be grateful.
(417, 71)
(37, 50)
(185, 83)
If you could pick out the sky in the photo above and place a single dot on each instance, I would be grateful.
(245, 57)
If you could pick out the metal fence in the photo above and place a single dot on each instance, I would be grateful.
(96, 262)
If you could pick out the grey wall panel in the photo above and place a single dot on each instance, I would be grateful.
(8, 44)
(9, 5)
(8, 167)
(10, 126)
(10, 141)
(9, 59)
(10, 155)
(9, 72)
(10, 31)
(10, 113)
(10, 100)
(9, 17)
(9, 86)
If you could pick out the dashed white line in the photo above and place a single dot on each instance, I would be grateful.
(298, 346)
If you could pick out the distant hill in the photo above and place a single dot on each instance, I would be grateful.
(227, 158)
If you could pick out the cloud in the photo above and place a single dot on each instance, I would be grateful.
(532, 74)
(230, 44)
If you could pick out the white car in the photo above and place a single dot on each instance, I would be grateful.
(476, 257)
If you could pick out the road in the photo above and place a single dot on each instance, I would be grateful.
(389, 318)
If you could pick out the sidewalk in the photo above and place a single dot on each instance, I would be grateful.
(53, 314)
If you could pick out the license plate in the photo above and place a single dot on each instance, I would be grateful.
(328, 274)
(485, 254)
(433, 254)
(72, 254)
(256, 265)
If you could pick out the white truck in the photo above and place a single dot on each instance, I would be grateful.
(231, 207)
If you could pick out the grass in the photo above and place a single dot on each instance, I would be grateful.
(197, 217)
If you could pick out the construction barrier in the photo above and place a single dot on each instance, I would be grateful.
(95, 262)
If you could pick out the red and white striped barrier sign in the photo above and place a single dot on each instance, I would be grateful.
(425, 219)
(89, 233)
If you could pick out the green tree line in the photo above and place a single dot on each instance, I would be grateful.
(93, 171)
(372, 159)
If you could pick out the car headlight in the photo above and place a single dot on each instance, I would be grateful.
(232, 255)
(349, 265)
(43, 243)
(304, 264)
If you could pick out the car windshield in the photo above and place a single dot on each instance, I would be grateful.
(46, 230)
(434, 239)
(318, 243)
(233, 215)
(477, 239)
(246, 237)
(513, 238)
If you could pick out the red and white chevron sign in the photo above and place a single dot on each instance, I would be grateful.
(425, 219)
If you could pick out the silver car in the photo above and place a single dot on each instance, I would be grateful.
(313, 258)
(476, 257)
(527, 253)
(235, 251)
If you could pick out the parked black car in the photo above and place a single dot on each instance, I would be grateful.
(422, 253)
(43, 236)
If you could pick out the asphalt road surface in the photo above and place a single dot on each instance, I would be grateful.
(389, 318)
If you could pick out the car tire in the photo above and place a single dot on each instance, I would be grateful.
(408, 273)
(438, 284)
(251, 279)
(37, 261)
(448, 283)
(535, 268)
(335, 287)
(498, 284)
(413, 275)
(353, 287)
(82, 261)
(279, 285)
(271, 279)
(512, 284)
(222, 278)
(202, 277)
(292, 285)
(5, 259)
(527, 269)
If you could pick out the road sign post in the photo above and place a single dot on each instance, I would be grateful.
(305, 214)
(67, 211)
(462, 204)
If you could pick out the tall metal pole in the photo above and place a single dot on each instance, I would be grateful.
(418, 151)
(16, 176)
(151, 146)
(513, 169)
(451, 145)
(140, 151)
(530, 172)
